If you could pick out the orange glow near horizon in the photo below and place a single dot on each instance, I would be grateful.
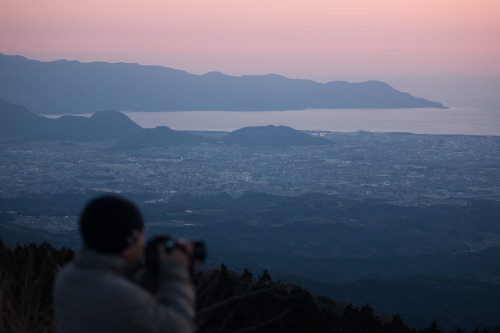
(246, 37)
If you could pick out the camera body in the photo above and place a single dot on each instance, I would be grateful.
(152, 262)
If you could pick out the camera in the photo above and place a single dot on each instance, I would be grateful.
(198, 253)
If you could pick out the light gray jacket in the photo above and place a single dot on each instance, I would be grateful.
(93, 294)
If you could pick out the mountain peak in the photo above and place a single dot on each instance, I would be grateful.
(215, 74)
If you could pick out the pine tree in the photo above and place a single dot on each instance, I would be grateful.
(264, 279)
(433, 328)
(396, 325)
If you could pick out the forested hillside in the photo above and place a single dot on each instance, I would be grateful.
(226, 301)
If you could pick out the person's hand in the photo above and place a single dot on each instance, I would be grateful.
(181, 256)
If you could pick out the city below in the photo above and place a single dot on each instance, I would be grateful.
(398, 168)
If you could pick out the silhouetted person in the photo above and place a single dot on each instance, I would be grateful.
(94, 292)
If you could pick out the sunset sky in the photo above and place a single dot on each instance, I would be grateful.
(323, 40)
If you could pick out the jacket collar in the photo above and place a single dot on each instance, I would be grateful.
(91, 259)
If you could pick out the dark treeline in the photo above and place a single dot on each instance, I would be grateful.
(227, 301)
(26, 277)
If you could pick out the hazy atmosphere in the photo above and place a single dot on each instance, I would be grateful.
(423, 47)
(340, 160)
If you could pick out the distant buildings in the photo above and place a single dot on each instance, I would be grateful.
(398, 168)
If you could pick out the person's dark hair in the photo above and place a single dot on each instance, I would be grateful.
(110, 224)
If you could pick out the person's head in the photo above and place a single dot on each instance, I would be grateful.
(113, 225)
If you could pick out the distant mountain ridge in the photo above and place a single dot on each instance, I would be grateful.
(19, 124)
(71, 87)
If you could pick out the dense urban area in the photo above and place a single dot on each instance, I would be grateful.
(399, 168)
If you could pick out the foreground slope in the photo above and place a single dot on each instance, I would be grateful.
(226, 301)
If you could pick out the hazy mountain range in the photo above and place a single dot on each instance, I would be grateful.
(18, 123)
(71, 87)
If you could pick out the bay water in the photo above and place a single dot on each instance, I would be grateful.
(456, 120)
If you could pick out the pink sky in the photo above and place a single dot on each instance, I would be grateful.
(322, 40)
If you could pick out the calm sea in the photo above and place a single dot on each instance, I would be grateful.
(469, 121)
